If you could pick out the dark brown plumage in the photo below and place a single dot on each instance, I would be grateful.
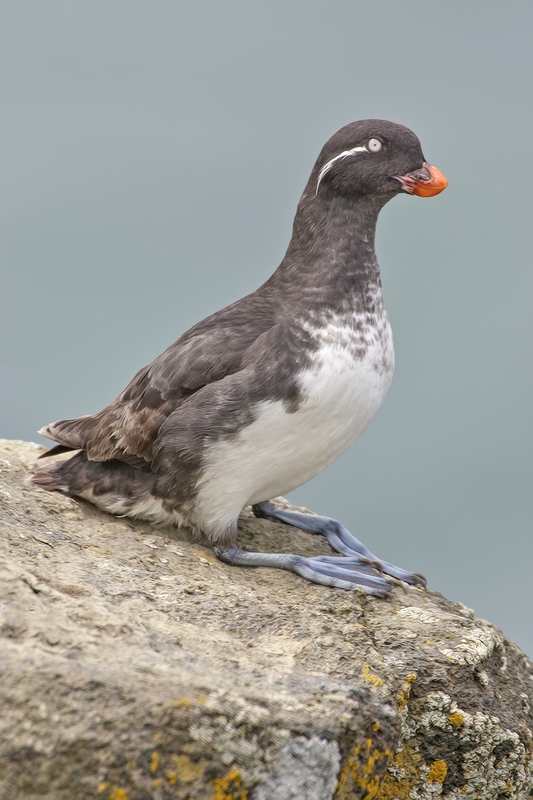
(158, 450)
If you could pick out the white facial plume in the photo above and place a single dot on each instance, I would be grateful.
(373, 145)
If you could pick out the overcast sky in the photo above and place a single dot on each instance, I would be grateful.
(154, 154)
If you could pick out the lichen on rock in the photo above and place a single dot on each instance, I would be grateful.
(134, 665)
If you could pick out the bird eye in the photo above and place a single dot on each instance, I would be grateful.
(374, 145)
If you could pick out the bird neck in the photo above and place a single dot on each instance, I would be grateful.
(331, 254)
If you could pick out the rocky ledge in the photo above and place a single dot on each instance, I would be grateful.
(134, 665)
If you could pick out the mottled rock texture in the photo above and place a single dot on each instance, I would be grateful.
(134, 665)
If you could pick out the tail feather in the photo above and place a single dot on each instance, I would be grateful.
(113, 486)
(50, 479)
(70, 433)
(112, 433)
(79, 476)
(57, 450)
(72, 476)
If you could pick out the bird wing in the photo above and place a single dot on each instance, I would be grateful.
(127, 429)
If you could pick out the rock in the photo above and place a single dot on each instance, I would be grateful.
(134, 665)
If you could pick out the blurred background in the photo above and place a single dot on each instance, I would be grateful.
(154, 154)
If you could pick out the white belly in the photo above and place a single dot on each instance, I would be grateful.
(280, 451)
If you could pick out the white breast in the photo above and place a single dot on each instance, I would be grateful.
(341, 392)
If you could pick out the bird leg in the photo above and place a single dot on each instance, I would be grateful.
(342, 573)
(356, 566)
(359, 566)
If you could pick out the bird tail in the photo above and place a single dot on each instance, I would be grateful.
(113, 486)
(70, 433)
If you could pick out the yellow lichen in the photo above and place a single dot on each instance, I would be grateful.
(401, 700)
(102, 787)
(358, 772)
(188, 770)
(118, 794)
(154, 763)
(456, 719)
(376, 726)
(406, 768)
(230, 787)
(171, 777)
(437, 771)
(371, 677)
(184, 701)
(156, 782)
(403, 695)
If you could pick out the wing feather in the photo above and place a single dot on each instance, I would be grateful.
(128, 427)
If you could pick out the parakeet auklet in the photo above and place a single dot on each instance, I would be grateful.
(263, 395)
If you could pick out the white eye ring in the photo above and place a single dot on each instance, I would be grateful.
(374, 145)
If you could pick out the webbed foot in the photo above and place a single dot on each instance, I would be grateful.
(340, 572)
(358, 556)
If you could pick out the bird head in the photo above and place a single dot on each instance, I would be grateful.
(375, 157)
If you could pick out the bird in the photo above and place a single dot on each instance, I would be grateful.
(261, 396)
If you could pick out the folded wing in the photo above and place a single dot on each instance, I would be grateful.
(127, 429)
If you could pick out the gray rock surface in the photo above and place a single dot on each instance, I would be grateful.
(134, 665)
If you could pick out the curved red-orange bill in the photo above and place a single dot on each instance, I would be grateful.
(424, 182)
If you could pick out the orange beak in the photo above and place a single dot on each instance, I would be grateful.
(424, 182)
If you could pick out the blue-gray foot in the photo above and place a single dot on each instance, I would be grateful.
(359, 566)
(342, 573)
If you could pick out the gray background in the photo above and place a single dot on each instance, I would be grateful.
(154, 153)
